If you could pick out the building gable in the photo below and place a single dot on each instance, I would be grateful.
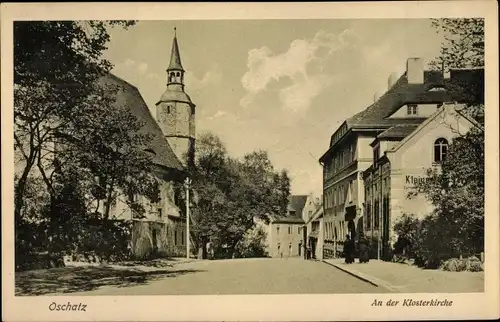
(417, 149)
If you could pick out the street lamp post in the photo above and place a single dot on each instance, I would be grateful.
(188, 239)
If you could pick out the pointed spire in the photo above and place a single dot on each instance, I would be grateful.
(175, 58)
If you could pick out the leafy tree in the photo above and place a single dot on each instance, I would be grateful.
(56, 66)
(457, 192)
(230, 192)
(69, 130)
(464, 42)
(463, 47)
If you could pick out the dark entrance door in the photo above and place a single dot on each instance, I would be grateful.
(314, 241)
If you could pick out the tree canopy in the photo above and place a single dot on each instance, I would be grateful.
(72, 139)
(230, 192)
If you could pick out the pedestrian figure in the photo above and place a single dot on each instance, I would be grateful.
(364, 256)
(349, 250)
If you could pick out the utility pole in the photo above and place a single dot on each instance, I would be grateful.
(188, 239)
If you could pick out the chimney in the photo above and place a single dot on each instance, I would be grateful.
(415, 70)
(376, 96)
(391, 80)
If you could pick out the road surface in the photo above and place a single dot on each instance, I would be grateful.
(238, 276)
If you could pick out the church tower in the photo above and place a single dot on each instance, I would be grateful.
(175, 113)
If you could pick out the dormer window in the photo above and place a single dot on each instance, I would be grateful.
(411, 109)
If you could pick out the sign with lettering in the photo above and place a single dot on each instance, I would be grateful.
(414, 180)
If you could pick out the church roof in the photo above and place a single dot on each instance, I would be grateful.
(175, 93)
(129, 96)
(175, 57)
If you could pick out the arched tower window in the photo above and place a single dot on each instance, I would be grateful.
(440, 149)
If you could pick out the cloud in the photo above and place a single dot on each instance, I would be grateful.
(298, 97)
(264, 67)
(218, 114)
(211, 77)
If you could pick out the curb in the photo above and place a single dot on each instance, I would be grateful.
(365, 278)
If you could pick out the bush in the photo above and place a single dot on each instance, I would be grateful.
(408, 228)
(471, 264)
(253, 244)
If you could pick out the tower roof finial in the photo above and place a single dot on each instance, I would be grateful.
(175, 58)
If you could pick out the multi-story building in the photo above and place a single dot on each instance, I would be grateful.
(409, 101)
(285, 233)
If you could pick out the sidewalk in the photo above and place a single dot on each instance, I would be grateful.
(403, 278)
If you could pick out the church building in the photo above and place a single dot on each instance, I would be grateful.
(163, 230)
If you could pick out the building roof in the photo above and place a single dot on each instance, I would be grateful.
(175, 57)
(397, 131)
(376, 115)
(297, 203)
(175, 93)
(130, 97)
(287, 220)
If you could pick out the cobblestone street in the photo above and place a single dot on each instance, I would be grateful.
(238, 276)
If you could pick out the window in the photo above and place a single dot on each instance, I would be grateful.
(289, 230)
(168, 109)
(440, 149)
(368, 216)
(182, 238)
(310, 213)
(298, 230)
(375, 214)
(175, 237)
(159, 213)
(278, 230)
(376, 154)
(411, 109)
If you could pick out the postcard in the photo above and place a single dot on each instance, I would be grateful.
(250, 161)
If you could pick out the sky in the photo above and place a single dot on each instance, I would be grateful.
(278, 85)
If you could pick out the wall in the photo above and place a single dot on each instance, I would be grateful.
(284, 239)
(309, 209)
(177, 119)
(158, 239)
(415, 156)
